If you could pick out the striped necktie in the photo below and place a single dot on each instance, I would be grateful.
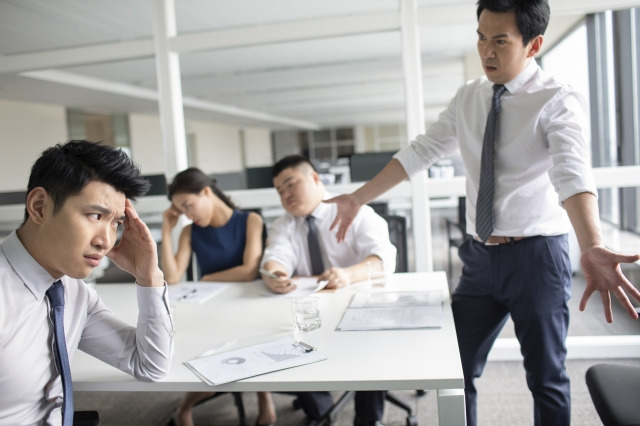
(315, 254)
(56, 298)
(484, 205)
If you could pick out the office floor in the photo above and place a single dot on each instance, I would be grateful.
(504, 398)
(504, 401)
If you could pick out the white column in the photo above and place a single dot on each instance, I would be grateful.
(412, 64)
(169, 89)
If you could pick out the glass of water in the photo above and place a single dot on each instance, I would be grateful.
(306, 313)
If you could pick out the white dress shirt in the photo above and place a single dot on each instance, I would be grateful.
(368, 235)
(542, 150)
(30, 386)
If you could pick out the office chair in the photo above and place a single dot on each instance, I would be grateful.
(456, 233)
(615, 393)
(85, 418)
(380, 207)
(398, 236)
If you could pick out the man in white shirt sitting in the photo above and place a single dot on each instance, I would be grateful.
(288, 254)
(77, 197)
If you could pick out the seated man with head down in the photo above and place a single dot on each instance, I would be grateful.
(289, 254)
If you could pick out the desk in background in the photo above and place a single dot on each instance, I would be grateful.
(357, 360)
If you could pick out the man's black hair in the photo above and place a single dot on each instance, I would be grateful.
(290, 161)
(65, 169)
(532, 16)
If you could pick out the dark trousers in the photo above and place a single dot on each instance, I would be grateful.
(531, 280)
(369, 404)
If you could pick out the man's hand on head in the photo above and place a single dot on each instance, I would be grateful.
(137, 252)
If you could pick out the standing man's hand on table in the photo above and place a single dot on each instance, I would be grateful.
(602, 273)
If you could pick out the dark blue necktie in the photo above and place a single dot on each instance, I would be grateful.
(484, 205)
(314, 247)
(56, 298)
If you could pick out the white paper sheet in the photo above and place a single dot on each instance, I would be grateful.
(393, 310)
(194, 292)
(253, 360)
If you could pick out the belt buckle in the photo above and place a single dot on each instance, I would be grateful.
(478, 239)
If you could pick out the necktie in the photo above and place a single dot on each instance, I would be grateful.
(56, 297)
(484, 205)
(314, 247)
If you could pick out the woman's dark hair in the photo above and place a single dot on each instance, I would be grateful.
(194, 180)
(65, 169)
(532, 16)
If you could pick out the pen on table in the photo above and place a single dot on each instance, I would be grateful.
(269, 274)
(188, 294)
(304, 346)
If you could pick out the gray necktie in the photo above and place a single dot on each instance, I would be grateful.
(484, 205)
(56, 299)
(314, 247)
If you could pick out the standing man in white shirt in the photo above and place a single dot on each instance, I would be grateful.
(288, 255)
(542, 185)
(78, 197)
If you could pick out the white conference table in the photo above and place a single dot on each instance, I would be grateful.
(357, 360)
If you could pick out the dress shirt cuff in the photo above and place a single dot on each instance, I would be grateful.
(153, 301)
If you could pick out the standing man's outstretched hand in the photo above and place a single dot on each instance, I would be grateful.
(348, 207)
(602, 273)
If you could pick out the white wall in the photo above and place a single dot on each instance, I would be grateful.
(26, 129)
(257, 147)
(218, 147)
(147, 149)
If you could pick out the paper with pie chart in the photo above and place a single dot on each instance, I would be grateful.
(254, 360)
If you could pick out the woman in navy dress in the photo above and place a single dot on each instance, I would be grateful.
(228, 245)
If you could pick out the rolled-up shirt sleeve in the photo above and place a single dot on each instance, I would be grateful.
(566, 128)
(144, 351)
(371, 238)
(280, 245)
(440, 140)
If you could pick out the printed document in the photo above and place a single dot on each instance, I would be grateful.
(393, 310)
(253, 360)
(195, 292)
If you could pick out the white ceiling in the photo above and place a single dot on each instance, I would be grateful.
(268, 63)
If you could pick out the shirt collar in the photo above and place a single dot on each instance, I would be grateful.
(34, 276)
(517, 83)
(321, 210)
